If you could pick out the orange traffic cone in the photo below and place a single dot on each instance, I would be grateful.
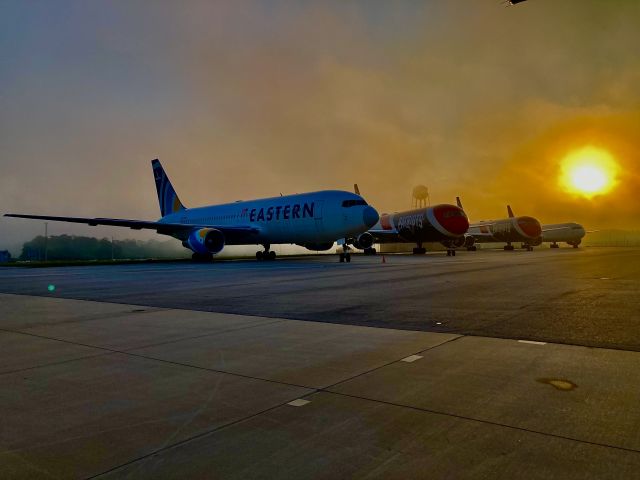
(384, 260)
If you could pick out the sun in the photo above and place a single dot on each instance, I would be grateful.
(588, 171)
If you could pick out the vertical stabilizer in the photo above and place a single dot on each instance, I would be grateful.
(167, 196)
(459, 202)
(510, 212)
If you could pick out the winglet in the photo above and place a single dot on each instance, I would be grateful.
(167, 196)
(459, 202)
(510, 212)
(356, 189)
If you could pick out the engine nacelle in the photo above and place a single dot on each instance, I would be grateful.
(205, 240)
(364, 240)
(453, 242)
(317, 247)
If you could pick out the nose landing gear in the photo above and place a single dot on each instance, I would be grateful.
(345, 255)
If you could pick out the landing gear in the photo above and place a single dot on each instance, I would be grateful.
(266, 255)
(370, 251)
(419, 250)
(345, 256)
(508, 246)
(451, 253)
(202, 257)
(554, 245)
(527, 247)
(472, 248)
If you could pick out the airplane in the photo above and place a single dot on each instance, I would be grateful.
(444, 223)
(571, 233)
(513, 229)
(313, 220)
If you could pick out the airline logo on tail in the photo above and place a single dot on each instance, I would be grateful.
(167, 196)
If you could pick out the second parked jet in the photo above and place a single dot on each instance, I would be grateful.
(523, 229)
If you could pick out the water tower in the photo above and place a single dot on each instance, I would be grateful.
(420, 197)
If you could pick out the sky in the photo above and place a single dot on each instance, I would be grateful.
(244, 99)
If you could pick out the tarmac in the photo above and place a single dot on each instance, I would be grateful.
(490, 365)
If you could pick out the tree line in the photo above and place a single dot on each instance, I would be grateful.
(71, 247)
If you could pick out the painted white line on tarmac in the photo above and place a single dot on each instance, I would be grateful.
(532, 342)
(298, 402)
(411, 358)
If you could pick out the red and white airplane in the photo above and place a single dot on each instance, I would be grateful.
(523, 229)
(446, 224)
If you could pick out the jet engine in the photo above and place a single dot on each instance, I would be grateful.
(205, 241)
(317, 247)
(363, 241)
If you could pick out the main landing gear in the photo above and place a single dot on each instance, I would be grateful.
(202, 257)
(345, 256)
(554, 245)
(267, 254)
(508, 246)
(527, 247)
(451, 252)
(370, 251)
(419, 250)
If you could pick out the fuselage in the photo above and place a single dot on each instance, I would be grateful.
(308, 218)
(514, 229)
(432, 224)
(571, 233)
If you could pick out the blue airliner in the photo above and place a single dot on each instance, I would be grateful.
(313, 220)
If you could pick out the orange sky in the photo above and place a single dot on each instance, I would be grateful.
(250, 99)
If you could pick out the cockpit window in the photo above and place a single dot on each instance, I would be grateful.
(353, 203)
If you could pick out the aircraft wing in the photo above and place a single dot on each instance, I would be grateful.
(385, 236)
(546, 229)
(160, 227)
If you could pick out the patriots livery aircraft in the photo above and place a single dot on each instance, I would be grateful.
(312, 220)
(444, 223)
(523, 229)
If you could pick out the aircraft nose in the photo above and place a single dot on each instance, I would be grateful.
(370, 216)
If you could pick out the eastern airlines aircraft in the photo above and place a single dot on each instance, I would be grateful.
(571, 233)
(446, 224)
(312, 220)
(513, 229)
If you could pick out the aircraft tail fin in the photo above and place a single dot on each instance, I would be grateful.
(167, 196)
(459, 202)
(510, 212)
(356, 189)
